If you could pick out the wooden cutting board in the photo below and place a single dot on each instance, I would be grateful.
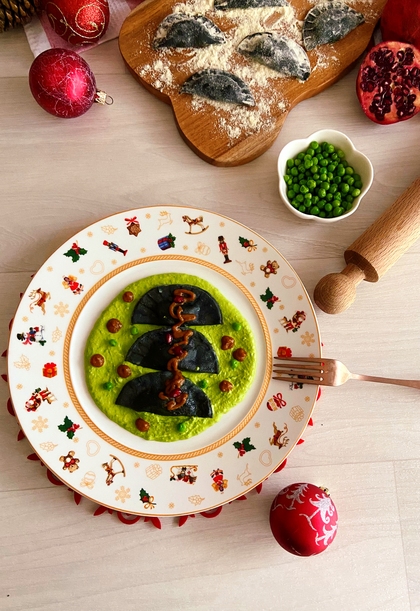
(230, 135)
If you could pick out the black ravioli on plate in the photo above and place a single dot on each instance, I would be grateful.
(153, 307)
(220, 86)
(151, 350)
(227, 5)
(329, 22)
(187, 31)
(142, 395)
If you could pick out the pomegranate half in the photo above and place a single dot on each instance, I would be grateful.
(388, 82)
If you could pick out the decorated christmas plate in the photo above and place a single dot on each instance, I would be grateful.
(140, 361)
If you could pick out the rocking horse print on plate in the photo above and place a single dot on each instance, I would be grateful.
(97, 457)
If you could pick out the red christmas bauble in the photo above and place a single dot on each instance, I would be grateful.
(303, 519)
(79, 22)
(62, 83)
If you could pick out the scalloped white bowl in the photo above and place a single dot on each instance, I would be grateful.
(355, 158)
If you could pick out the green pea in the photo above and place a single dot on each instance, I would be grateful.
(182, 427)
(113, 342)
(320, 181)
(108, 385)
(134, 331)
(234, 363)
(236, 326)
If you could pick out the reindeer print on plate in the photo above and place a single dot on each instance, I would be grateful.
(93, 455)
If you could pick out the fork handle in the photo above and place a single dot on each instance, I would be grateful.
(411, 383)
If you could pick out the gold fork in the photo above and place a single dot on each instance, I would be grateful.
(325, 372)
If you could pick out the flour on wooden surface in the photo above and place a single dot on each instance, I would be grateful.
(237, 24)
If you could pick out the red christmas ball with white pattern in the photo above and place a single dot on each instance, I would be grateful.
(303, 519)
(63, 84)
(78, 22)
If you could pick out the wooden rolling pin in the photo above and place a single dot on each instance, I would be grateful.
(374, 252)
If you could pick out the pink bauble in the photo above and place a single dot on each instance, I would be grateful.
(303, 519)
(79, 22)
(62, 83)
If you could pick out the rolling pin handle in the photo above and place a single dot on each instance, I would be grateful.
(336, 292)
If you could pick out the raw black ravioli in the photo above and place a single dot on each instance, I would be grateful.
(277, 52)
(151, 351)
(187, 31)
(220, 86)
(142, 395)
(227, 5)
(329, 22)
(153, 307)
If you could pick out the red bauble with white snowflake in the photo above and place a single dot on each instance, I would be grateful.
(63, 84)
(303, 519)
(78, 22)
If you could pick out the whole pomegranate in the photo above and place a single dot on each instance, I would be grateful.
(400, 20)
(388, 82)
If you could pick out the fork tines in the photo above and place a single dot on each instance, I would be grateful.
(298, 370)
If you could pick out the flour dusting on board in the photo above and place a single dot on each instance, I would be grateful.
(172, 65)
(234, 121)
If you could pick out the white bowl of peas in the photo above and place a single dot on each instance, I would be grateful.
(323, 177)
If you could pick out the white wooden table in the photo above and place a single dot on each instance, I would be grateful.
(58, 177)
